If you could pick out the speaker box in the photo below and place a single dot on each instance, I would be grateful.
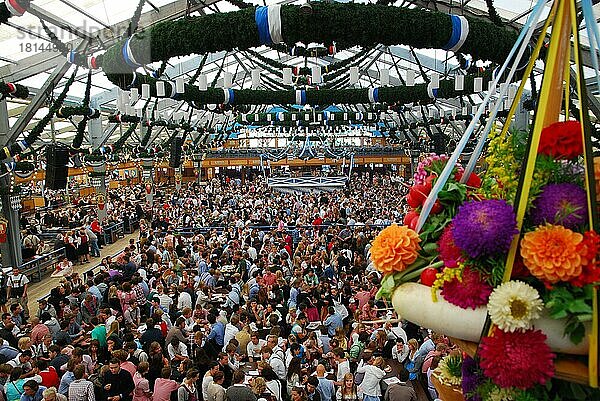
(176, 148)
(56, 167)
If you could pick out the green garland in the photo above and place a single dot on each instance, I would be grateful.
(17, 148)
(391, 94)
(121, 141)
(303, 118)
(78, 139)
(20, 91)
(347, 24)
(328, 69)
(70, 111)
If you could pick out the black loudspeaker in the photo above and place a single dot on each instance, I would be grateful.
(56, 167)
(176, 148)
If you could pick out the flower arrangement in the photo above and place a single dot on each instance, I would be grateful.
(449, 370)
(546, 307)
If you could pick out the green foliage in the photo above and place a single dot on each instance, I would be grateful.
(572, 303)
(21, 91)
(454, 365)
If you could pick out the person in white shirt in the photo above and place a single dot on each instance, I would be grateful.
(254, 347)
(177, 350)
(275, 360)
(231, 330)
(208, 378)
(370, 386)
(343, 365)
(400, 350)
(184, 300)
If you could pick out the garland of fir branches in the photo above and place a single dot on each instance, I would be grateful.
(78, 140)
(328, 69)
(390, 94)
(348, 25)
(16, 149)
(70, 111)
(20, 91)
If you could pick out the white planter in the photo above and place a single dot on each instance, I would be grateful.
(413, 302)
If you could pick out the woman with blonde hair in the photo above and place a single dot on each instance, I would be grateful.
(24, 343)
(370, 384)
(347, 391)
(50, 394)
(259, 386)
(414, 361)
(340, 336)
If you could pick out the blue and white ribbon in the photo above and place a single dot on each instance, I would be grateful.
(280, 116)
(431, 91)
(460, 31)
(23, 145)
(71, 56)
(268, 23)
(300, 96)
(10, 166)
(228, 96)
(128, 55)
(374, 95)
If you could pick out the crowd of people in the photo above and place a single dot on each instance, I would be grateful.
(231, 292)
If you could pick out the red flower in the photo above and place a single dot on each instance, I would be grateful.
(417, 194)
(449, 252)
(589, 250)
(520, 359)
(473, 181)
(519, 269)
(411, 219)
(469, 292)
(562, 140)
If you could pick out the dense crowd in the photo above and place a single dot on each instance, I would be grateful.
(232, 291)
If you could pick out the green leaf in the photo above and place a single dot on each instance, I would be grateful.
(558, 314)
(430, 248)
(388, 283)
(579, 306)
(576, 333)
(585, 318)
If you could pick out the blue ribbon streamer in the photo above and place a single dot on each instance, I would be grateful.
(71, 56)
(129, 62)
(303, 97)
(456, 31)
(443, 177)
(261, 16)
(376, 95)
(231, 96)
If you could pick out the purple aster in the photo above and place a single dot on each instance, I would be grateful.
(564, 204)
(484, 228)
(471, 379)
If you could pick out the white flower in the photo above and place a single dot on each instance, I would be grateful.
(514, 305)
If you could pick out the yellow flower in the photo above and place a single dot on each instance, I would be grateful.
(395, 248)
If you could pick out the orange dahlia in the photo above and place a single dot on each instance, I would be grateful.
(395, 248)
(551, 253)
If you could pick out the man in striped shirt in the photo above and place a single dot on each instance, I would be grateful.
(81, 389)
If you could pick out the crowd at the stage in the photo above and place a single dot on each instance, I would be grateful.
(274, 301)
